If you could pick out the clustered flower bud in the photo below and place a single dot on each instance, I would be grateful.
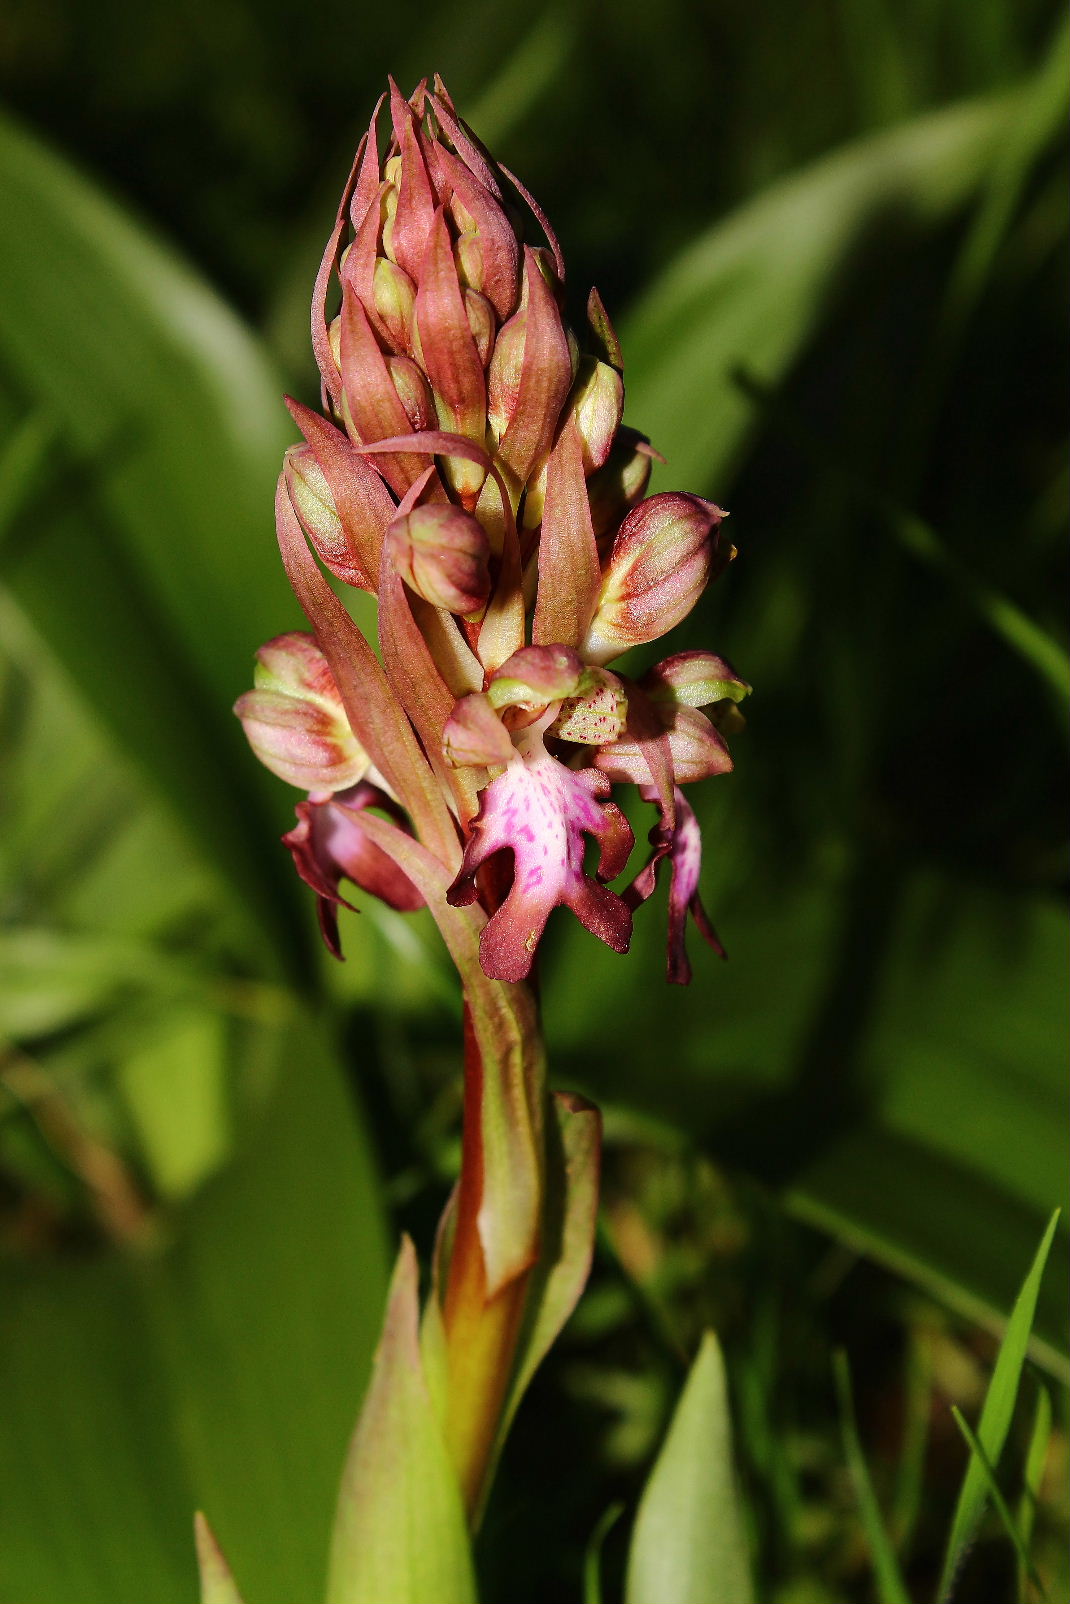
(472, 469)
(295, 720)
(442, 553)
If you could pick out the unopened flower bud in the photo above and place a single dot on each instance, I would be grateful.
(656, 572)
(536, 675)
(442, 553)
(314, 505)
(414, 392)
(694, 679)
(597, 405)
(395, 302)
(482, 322)
(294, 719)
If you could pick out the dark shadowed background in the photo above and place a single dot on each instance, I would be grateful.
(833, 239)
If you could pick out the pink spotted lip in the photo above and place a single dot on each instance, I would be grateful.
(541, 811)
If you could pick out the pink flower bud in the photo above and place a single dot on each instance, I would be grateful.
(414, 393)
(294, 719)
(442, 553)
(657, 570)
(529, 377)
(694, 679)
(535, 676)
(315, 507)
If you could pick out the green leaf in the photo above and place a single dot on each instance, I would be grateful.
(217, 1582)
(688, 1546)
(891, 1589)
(995, 1417)
(950, 1153)
(755, 289)
(400, 1535)
(592, 1561)
(1035, 1460)
(148, 562)
(222, 1374)
(995, 1493)
(573, 1163)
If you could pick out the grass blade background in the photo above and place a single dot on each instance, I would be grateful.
(891, 1589)
(995, 1417)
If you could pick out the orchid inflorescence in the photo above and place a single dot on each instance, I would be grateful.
(473, 473)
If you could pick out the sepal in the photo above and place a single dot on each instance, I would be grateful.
(535, 676)
(329, 844)
(475, 735)
(696, 750)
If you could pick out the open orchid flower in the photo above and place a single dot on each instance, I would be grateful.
(472, 470)
(540, 811)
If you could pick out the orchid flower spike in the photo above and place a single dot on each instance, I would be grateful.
(469, 467)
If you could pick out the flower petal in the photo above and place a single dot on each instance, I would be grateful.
(540, 811)
(328, 845)
(682, 845)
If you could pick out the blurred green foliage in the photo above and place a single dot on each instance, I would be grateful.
(835, 241)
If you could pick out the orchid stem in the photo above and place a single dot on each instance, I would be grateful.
(481, 1332)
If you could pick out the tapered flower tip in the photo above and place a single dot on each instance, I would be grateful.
(695, 679)
(540, 811)
(329, 845)
(597, 405)
(442, 553)
(656, 572)
(294, 719)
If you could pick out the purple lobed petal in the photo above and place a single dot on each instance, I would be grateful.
(540, 811)
(681, 844)
(328, 845)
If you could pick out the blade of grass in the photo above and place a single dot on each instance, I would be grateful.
(891, 1588)
(999, 1503)
(592, 1563)
(909, 1477)
(1035, 1459)
(995, 1416)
